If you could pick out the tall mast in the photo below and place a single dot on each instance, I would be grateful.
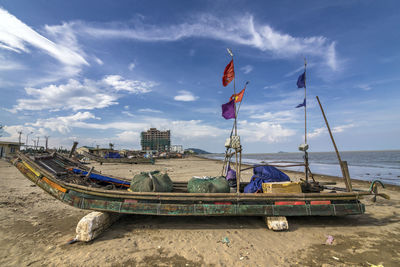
(305, 97)
(305, 121)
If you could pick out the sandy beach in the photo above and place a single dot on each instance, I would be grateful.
(35, 228)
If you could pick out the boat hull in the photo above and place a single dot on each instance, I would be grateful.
(181, 204)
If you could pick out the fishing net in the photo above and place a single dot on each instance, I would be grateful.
(151, 182)
(208, 185)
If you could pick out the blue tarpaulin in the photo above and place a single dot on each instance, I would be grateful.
(264, 174)
(101, 177)
(112, 155)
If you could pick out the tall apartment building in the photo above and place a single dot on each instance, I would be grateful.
(154, 139)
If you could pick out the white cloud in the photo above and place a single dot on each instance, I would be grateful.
(72, 95)
(317, 132)
(149, 110)
(128, 136)
(209, 110)
(9, 65)
(6, 64)
(127, 113)
(11, 133)
(299, 70)
(193, 129)
(98, 61)
(77, 95)
(63, 124)
(247, 69)
(280, 116)
(264, 132)
(365, 87)
(242, 31)
(185, 96)
(131, 66)
(321, 131)
(136, 87)
(341, 128)
(14, 35)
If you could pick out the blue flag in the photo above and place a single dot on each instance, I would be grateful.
(301, 81)
(302, 104)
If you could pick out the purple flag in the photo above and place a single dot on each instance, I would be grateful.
(228, 110)
(231, 174)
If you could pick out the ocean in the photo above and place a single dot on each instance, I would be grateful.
(363, 165)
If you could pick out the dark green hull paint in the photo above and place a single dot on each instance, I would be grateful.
(217, 210)
(132, 206)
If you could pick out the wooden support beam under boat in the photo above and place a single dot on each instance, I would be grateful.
(94, 224)
(277, 223)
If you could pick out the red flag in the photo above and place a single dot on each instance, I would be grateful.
(229, 74)
(238, 97)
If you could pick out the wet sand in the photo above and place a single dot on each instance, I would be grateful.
(35, 228)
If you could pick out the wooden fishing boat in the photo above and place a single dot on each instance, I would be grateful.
(77, 185)
(119, 160)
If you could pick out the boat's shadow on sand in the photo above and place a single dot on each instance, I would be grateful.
(134, 222)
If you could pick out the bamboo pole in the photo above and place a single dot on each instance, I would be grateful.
(73, 149)
(345, 173)
(236, 150)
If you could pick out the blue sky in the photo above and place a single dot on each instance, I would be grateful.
(103, 71)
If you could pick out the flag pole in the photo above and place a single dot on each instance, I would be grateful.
(305, 121)
(227, 158)
(234, 89)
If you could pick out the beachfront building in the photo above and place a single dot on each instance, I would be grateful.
(83, 149)
(9, 149)
(154, 139)
(177, 149)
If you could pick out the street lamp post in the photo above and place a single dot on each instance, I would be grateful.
(26, 143)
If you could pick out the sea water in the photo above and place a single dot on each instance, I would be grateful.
(363, 165)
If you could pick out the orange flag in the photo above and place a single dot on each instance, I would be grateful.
(238, 97)
(229, 74)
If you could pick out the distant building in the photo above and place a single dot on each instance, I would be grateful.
(154, 139)
(82, 149)
(8, 149)
(177, 149)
